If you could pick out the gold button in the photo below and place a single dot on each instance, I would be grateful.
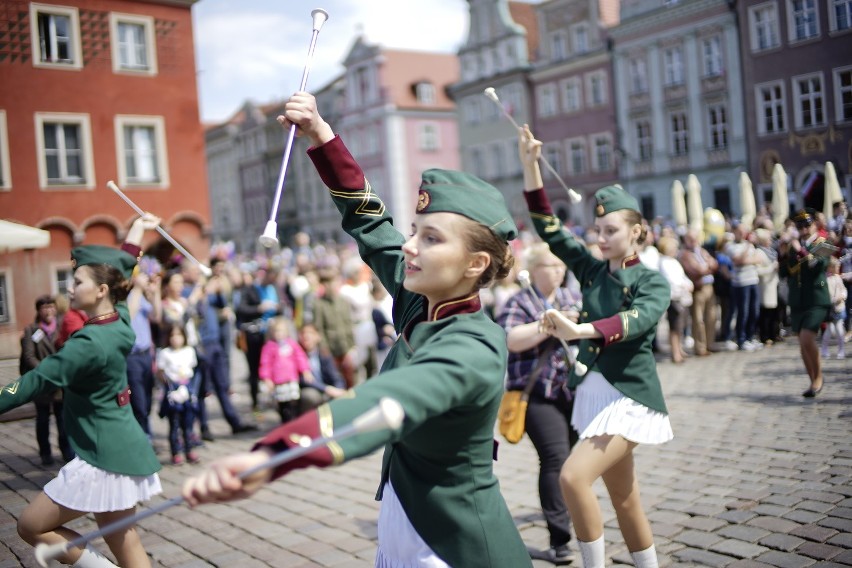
(626, 289)
(591, 349)
(585, 314)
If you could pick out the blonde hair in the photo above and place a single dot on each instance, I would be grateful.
(667, 246)
(278, 323)
(536, 254)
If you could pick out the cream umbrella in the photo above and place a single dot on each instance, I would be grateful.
(780, 202)
(694, 207)
(14, 236)
(831, 191)
(678, 204)
(748, 210)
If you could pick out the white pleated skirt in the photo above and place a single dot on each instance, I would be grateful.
(600, 409)
(399, 544)
(83, 487)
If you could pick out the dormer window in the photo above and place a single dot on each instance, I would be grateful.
(425, 93)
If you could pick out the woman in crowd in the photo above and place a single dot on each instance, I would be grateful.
(619, 401)
(441, 503)
(535, 356)
(115, 467)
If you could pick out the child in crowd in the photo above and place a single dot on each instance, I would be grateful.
(834, 325)
(282, 363)
(176, 364)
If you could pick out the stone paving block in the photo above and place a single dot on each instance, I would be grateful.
(824, 496)
(844, 557)
(743, 532)
(784, 500)
(842, 539)
(708, 524)
(843, 525)
(782, 542)
(819, 551)
(771, 510)
(814, 533)
(804, 517)
(785, 560)
(738, 548)
(745, 563)
(815, 506)
(697, 539)
(698, 556)
(843, 512)
(737, 516)
(774, 524)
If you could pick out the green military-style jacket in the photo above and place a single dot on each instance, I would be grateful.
(806, 278)
(91, 369)
(447, 371)
(624, 306)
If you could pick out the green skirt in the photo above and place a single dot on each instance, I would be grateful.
(810, 318)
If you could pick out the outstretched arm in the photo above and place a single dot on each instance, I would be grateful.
(529, 150)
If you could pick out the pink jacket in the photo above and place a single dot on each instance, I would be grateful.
(282, 363)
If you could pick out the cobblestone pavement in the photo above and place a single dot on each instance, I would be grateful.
(756, 476)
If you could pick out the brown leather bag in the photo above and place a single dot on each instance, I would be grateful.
(512, 416)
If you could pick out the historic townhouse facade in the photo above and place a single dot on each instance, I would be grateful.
(797, 68)
(678, 86)
(82, 92)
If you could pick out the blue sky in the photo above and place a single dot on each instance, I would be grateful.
(257, 49)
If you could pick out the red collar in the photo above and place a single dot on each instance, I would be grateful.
(631, 260)
(466, 305)
(103, 319)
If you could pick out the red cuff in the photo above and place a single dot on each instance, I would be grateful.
(336, 166)
(610, 328)
(133, 250)
(537, 202)
(288, 436)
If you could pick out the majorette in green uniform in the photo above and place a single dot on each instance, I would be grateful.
(808, 296)
(446, 369)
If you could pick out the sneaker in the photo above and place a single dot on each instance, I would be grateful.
(559, 554)
(47, 459)
(239, 429)
(841, 355)
(177, 459)
(207, 436)
(731, 345)
(747, 346)
(192, 457)
(823, 353)
(756, 344)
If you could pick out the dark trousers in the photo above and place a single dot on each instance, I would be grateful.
(747, 299)
(215, 379)
(548, 425)
(140, 379)
(254, 344)
(43, 410)
(288, 410)
(727, 307)
(768, 324)
(180, 428)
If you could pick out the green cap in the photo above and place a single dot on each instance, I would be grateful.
(613, 198)
(96, 254)
(448, 191)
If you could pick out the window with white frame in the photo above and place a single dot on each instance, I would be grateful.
(5, 165)
(679, 133)
(577, 149)
(572, 94)
(55, 36)
(429, 140)
(602, 160)
(553, 155)
(673, 66)
(843, 93)
(763, 25)
(5, 308)
(65, 150)
(498, 161)
(770, 107)
(802, 15)
(712, 48)
(133, 43)
(596, 85)
(644, 140)
(141, 150)
(471, 111)
(810, 101)
(62, 276)
(477, 162)
(362, 91)
(717, 118)
(637, 70)
(425, 93)
(840, 15)
(580, 36)
(558, 45)
(546, 95)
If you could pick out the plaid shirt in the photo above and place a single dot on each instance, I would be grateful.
(523, 308)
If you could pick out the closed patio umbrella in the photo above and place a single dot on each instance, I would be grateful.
(14, 236)
(748, 210)
(694, 207)
(678, 204)
(780, 202)
(831, 191)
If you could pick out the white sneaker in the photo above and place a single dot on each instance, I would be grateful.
(823, 353)
(748, 346)
(731, 345)
(756, 344)
(841, 355)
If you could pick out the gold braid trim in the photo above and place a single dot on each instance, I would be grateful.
(370, 202)
(326, 428)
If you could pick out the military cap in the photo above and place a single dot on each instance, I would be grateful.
(804, 217)
(96, 254)
(613, 198)
(448, 191)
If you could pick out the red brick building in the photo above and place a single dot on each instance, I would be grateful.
(92, 91)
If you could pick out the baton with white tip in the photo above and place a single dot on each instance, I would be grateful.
(544, 305)
(204, 269)
(575, 197)
(387, 414)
